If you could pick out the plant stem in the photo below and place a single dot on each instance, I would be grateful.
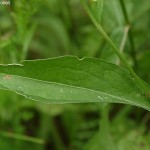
(124, 39)
(21, 137)
(56, 135)
(123, 42)
(116, 50)
(104, 131)
(130, 35)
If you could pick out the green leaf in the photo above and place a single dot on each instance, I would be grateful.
(97, 8)
(70, 80)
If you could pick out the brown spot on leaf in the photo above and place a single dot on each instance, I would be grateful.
(7, 77)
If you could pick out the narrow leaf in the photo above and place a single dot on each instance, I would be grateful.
(70, 80)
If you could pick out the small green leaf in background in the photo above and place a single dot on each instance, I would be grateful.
(70, 80)
(97, 8)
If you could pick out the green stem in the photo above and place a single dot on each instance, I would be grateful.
(58, 139)
(116, 50)
(130, 35)
(123, 42)
(21, 137)
(105, 129)
(124, 39)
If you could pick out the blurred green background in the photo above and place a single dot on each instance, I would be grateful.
(38, 29)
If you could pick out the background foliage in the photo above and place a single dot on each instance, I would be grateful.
(44, 29)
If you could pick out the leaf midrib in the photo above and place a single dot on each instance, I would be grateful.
(77, 87)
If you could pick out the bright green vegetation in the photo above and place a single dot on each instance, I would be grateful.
(70, 80)
(108, 51)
